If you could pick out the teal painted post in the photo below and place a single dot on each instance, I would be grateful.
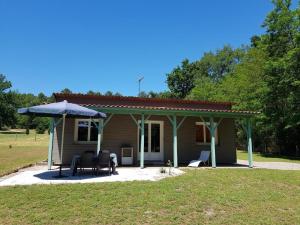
(50, 147)
(249, 143)
(100, 129)
(142, 141)
(175, 160)
(212, 143)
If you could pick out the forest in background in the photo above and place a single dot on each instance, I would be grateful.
(263, 76)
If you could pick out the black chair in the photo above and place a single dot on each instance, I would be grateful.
(103, 161)
(86, 160)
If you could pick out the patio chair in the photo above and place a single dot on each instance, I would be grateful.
(204, 159)
(86, 160)
(103, 161)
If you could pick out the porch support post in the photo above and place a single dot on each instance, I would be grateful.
(212, 142)
(249, 143)
(142, 141)
(100, 129)
(50, 147)
(175, 158)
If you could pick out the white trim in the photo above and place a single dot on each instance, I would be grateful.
(152, 155)
(89, 131)
(204, 134)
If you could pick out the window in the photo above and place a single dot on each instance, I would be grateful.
(83, 130)
(86, 130)
(203, 134)
(94, 131)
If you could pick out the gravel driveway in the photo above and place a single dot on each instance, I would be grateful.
(272, 165)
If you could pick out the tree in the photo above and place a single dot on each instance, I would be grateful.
(219, 64)
(32, 122)
(247, 88)
(41, 124)
(7, 103)
(109, 93)
(255, 40)
(181, 80)
(42, 98)
(4, 83)
(242, 84)
(66, 91)
(282, 45)
(205, 89)
(90, 92)
(213, 66)
(245, 85)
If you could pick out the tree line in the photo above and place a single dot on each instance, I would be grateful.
(11, 100)
(262, 76)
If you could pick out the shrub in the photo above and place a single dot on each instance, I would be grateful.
(40, 129)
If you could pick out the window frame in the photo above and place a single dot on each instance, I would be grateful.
(205, 124)
(89, 131)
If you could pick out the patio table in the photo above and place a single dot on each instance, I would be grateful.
(76, 160)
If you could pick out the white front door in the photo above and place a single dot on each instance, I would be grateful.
(153, 144)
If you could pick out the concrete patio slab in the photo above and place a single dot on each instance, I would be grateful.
(40, 175)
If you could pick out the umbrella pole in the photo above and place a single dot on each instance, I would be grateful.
(62, 138)
(62, 146)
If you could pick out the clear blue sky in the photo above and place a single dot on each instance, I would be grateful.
(105, 45)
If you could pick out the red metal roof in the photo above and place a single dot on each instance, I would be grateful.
(122, 102)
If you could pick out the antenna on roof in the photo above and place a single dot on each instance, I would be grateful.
(140, 80)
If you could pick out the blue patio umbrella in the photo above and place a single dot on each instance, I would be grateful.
(61, 109)
(58, 109)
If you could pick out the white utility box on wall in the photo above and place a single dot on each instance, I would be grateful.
(127, 155)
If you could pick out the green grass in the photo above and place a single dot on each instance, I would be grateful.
(204, 196)
(201, 196)
(258, 157)
(18, 150)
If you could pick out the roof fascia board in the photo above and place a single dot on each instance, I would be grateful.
(172, 112)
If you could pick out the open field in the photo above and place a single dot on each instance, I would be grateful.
(18, 150)
(258, 157)
(201, 196)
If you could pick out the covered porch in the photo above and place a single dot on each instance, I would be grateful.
(175, 123)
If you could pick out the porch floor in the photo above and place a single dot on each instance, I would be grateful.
(40, 175)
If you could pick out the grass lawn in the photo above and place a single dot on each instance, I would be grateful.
(203, 196)
(24, 150)
(258, 157)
